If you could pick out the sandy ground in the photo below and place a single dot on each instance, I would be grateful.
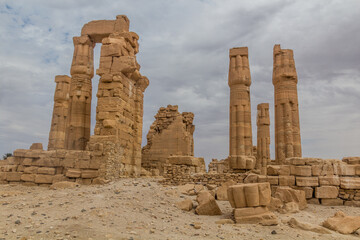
(134, 209)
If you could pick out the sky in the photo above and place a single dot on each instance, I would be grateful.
(184, 47)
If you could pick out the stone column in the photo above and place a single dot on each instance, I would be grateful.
(82, 71)
(263, 137)
(287, 124)
(240, 109)
(60, 113)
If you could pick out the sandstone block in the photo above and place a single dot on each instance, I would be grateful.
(60, 178)
(249, 195)
(40, 178)
(296, 161)
(329, 180)
(307, 227)
(28, 177)
(64, 184)
(326, 192)
(332, 202)
(221, 192)
(185, 205)
(350, 183)
(273, 180)
(73, 173)
(37, 146)
(301, 171)
(351, 160)
(13, 176)
(30, 169)
(255, 216)
(286, 180)
(346, 170)
(2, 176)
(89, 174)
(207, 204)
(46, 170)
(307, 181)
(20, 152)
(124, 64)
(308, 191)
(287, 194)
(342, 223)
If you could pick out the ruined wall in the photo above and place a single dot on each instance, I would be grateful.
(38, 167)
(219, 166)
(170, 134)
(287, 124)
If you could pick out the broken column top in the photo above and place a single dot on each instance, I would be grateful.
(263, 114)
(62, 78)
(242, 51)
(99, 29)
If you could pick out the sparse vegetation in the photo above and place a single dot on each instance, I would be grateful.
(6, 155)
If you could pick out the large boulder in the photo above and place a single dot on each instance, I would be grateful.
(207, 204)
(342, 223)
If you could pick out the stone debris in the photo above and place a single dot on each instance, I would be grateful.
(288, 200)
(185, 205)
(250, 203)
(307, 226)
(342, 223)
(207, 204)
(221, 192)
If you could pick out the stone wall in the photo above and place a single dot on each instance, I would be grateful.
(170, 134)
(38, 167)
(325, 181)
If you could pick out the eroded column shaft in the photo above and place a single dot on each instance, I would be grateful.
(82, 71)
(60, 113)
(287, 124)
(240, 108)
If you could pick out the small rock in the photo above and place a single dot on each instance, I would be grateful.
(17, 221)
(273, 232)
(224, 221)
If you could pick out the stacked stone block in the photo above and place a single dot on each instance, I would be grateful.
(250, 203)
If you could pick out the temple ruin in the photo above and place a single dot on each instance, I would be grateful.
(114, 150)
(287, 123)
(171, 134)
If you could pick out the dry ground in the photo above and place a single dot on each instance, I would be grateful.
(133, 209)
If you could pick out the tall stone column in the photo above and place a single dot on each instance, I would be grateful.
(240, 109)
(263, 137)
(82, 71)
(60, 113)
(287, 124)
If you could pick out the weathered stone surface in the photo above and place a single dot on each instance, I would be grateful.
(40, 178)
(207, 204)
(89, 173)
(286, 180)
(221, 192)
(37, 146)
(73, 173)
(13, 176)
(350, 183)
(64, 184)
(46, 170)
(287, 124)
(307, 226)
(307, 181)
(301, 171)
(287, 194)
(263, 137)
(240, 110)
(331, 180)
(170, 134)
(342, 223)
(185, 205)
(249, 195)
(351, 160)
(255, 215)
(332, 202)
(326, 192)
(28, 177)
(239, 162)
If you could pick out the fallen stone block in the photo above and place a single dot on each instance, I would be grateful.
(249, 195)
(207, 204)
(185, 205)
(221, 192)
(307, 227)
(256, 215)
(342, 223)
(287, 194)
